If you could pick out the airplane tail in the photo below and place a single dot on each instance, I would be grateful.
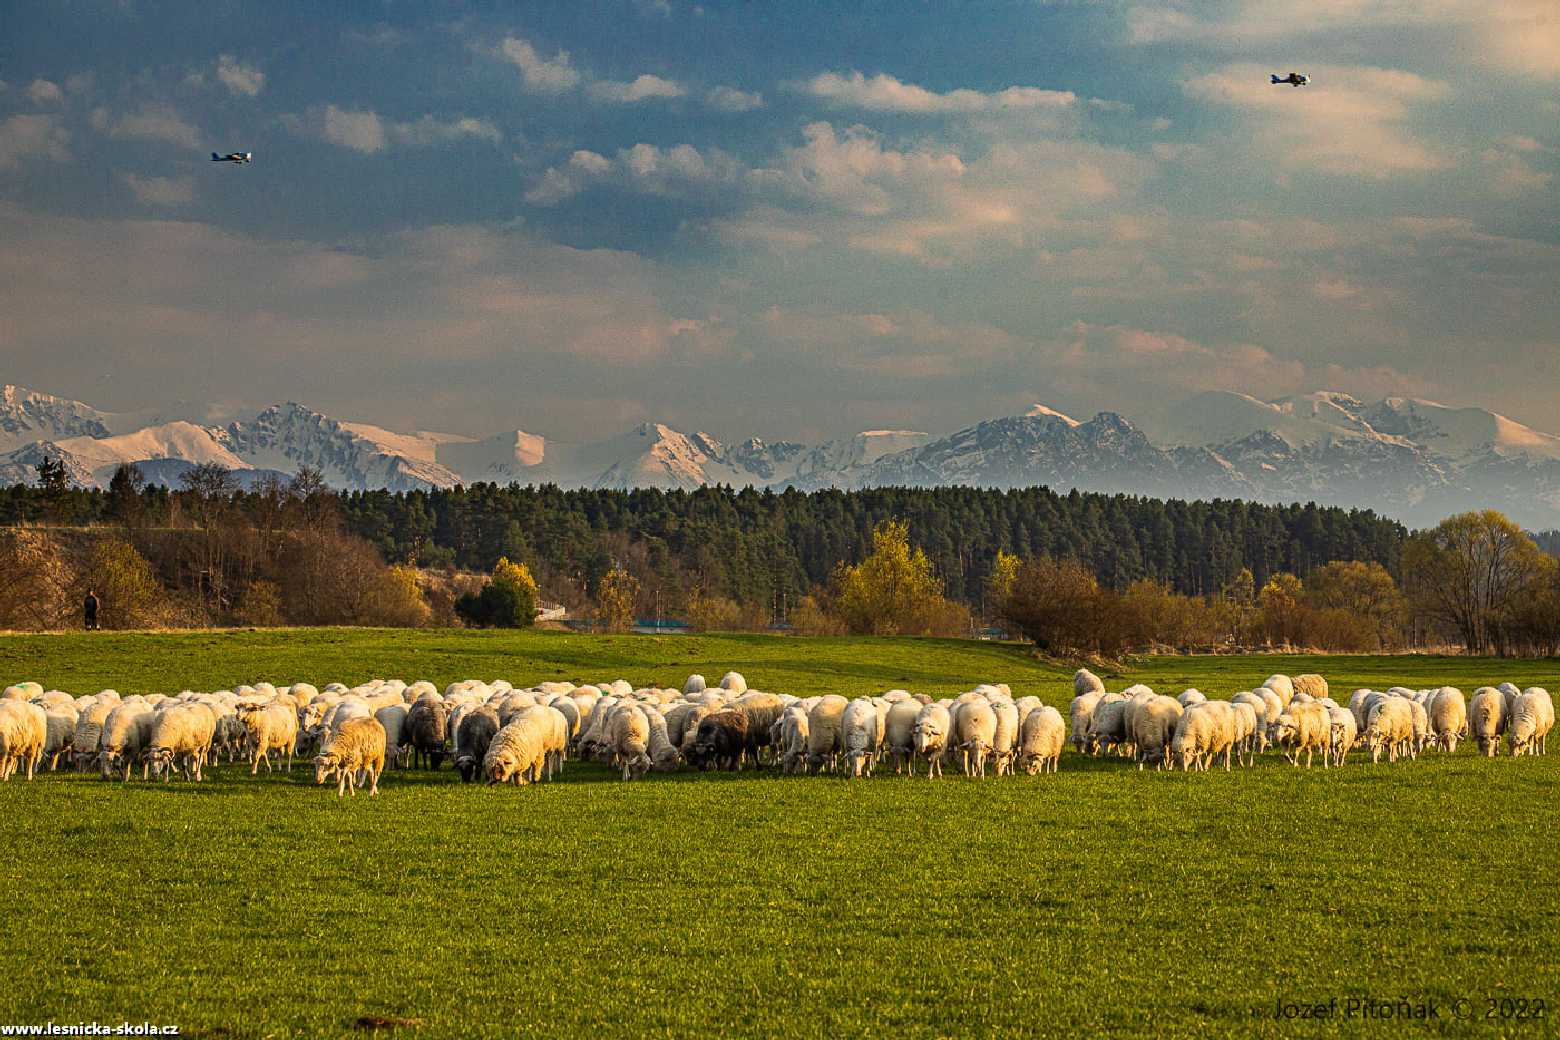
(1274, 78)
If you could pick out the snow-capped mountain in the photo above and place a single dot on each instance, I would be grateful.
(1412, 459)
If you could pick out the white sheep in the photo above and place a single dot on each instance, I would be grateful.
(1040, 739)
(824, 737)
(1486, 719)
(1532, 717)
(1448, 717)
(1085, 681)
(272, 727)
(899, 731)
(793, 739)
(354, 753)
(975, 734)
(1004, 742)
(182, 734)
(1153, 728)
(1343, 731)
(125, 733)
(1282, 686)
(518, 753)
(1390, 726)
(1081, 713)
(860, 734)
(24, 732)
(629, 737)
(931, 733)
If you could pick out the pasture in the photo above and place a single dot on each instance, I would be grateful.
(1100, 900)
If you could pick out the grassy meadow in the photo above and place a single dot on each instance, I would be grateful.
(1100, 900)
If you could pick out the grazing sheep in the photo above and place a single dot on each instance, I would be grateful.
(1108, 728)
(1282, 686)
(1486, 719)
(694, 684)
(931, 733)
(899, 732)
(125, 733)
(89, 731)
(1532, 717)
(1040, 740)
(1153, 727)
(664, 756)
(1086, 682)
(1304, 727)
(472, 738)
(354, 753)
(398, 745)
(823, 732)
(629, 736)
(860, 735)
(518, 752)
(1310, 684)
(1390, 726)
(721, 741)
(975, 734)
(60, 737)
(734, 682)
(1259, 739)
(182, 732)
(273, 727)
(762, 711)
(24, 731)
(1004, 742)
(1081, 713)
(793, 739)
(427, 726)
(1244, 718)
(1191, 697)
(1342, 732)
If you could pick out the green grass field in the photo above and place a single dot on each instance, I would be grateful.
(1099, 900)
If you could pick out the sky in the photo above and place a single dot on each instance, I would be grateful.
(799, 220)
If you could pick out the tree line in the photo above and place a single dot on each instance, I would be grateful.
(1076, 572)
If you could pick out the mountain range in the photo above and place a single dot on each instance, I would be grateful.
(1415, 460)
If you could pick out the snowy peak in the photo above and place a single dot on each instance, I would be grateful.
(27, 416)
(1042, 410)
(1459, 433)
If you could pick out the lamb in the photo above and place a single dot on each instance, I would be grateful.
(1391, 726)
(1531, 720)
(472, 738)
(823, 732)
(358, 747)
(1342, 732)
(24, 731)
(1154, 723)
(125, 733)
(1307, 727)
(860, 735)
(930, 734)
(183, 732)
(427, 726)
(975, 733)
(629, 737)
(1040, 740)
(271, 728)
(721, 741)
(518, 752)
(899, 732)
(1486, 719)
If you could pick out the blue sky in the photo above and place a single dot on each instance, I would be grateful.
(789, 220)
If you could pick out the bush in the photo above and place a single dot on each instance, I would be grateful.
(131, 595)
(261, 605)
(508, 600)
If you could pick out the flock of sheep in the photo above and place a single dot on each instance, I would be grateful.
(496, 732)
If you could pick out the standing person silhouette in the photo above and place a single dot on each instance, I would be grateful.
(92, 605)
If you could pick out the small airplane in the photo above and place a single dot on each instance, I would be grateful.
(1294, 79)
(243, 157)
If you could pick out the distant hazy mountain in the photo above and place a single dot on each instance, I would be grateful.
(1412, 459)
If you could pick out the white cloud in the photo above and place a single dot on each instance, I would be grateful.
(1516, 36)
(32, 137)
(884, 93)
(45, 92)
(360, 131)
(1510, 175)
(161, 191)
(367, 132)
(644, 168)
(153, 122)
(1349, 121)
(238, 77)
(542, 75)
(641, 88)
(730, 99)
